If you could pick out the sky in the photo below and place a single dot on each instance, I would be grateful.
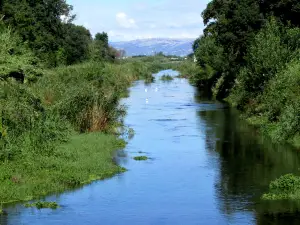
(126, 20)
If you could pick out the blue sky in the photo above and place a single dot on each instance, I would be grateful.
(132, 19)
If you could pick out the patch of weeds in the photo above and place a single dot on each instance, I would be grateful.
(166, 78)
(42, 205)
(149, 79)
(285, 187)
(131, 133)
(141, 158)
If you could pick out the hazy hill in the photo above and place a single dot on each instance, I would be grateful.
(179, 47)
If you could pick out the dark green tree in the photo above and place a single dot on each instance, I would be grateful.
(76, 43)
(39, 22)
(287, 11)
(100, 48)
(103, 37)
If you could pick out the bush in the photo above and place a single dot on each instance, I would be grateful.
(86, 95)
(285, 187)
(16, 60)
(268, 86)
(166, 78)
(282, 102)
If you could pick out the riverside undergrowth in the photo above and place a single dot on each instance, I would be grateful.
(263, 82)
(58, 127)
(60, 132)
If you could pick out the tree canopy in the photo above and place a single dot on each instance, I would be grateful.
(46, 25)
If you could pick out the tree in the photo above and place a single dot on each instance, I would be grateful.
(100, 48)
(103, 37)
(39, 23)
(76, 43)
(287, 11)
(231, 25)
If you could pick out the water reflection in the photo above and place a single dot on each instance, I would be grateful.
(247, 164)
(207, 167)
(4, 219)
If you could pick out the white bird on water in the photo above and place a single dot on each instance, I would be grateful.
(156, 89)
(146, 90)
(147, 100)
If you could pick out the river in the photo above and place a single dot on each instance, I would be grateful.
(205, 167)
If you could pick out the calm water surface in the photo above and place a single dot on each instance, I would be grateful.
(206, 167)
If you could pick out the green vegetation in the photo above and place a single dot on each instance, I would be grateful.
(248, 56)
(46, 140)
(46, 26)
(82, 159)
(131, 133)
(166, 78)
(1, 210)
(285, 187)
(43, 205)
(187, 69)
(141, 158)
(60, 92)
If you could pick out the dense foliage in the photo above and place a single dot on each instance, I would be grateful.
(46, 26)
(285, 187)
(59, 99)
(249, 56)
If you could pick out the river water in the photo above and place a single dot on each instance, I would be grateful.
(205, 167)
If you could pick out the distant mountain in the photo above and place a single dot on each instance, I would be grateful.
(179, 47)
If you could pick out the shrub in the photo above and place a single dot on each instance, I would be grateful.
(166, 78)
(16, 60)
(285, 187)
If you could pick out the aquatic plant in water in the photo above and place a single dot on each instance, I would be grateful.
(42, 205)
(285, 187)
(166, 78)
(141, 158)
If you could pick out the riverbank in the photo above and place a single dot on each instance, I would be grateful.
(58, 124)
(58, 132)
(257, 112)
(177, 127)
(261, 114)
(83, 159)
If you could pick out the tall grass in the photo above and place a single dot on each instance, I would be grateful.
(57, 126)
(86, 95)
(45, 142)
(188, 69)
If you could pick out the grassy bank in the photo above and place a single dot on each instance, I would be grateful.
(60, 131)
(58, 127)
(81, 160)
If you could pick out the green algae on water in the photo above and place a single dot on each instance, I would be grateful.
(42, 205)
(141, 158)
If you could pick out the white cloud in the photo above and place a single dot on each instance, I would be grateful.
(124, 21)
(128, 20)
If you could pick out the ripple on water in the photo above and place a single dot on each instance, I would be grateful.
(168, 120)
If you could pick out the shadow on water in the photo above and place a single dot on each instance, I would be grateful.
(248, 163)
